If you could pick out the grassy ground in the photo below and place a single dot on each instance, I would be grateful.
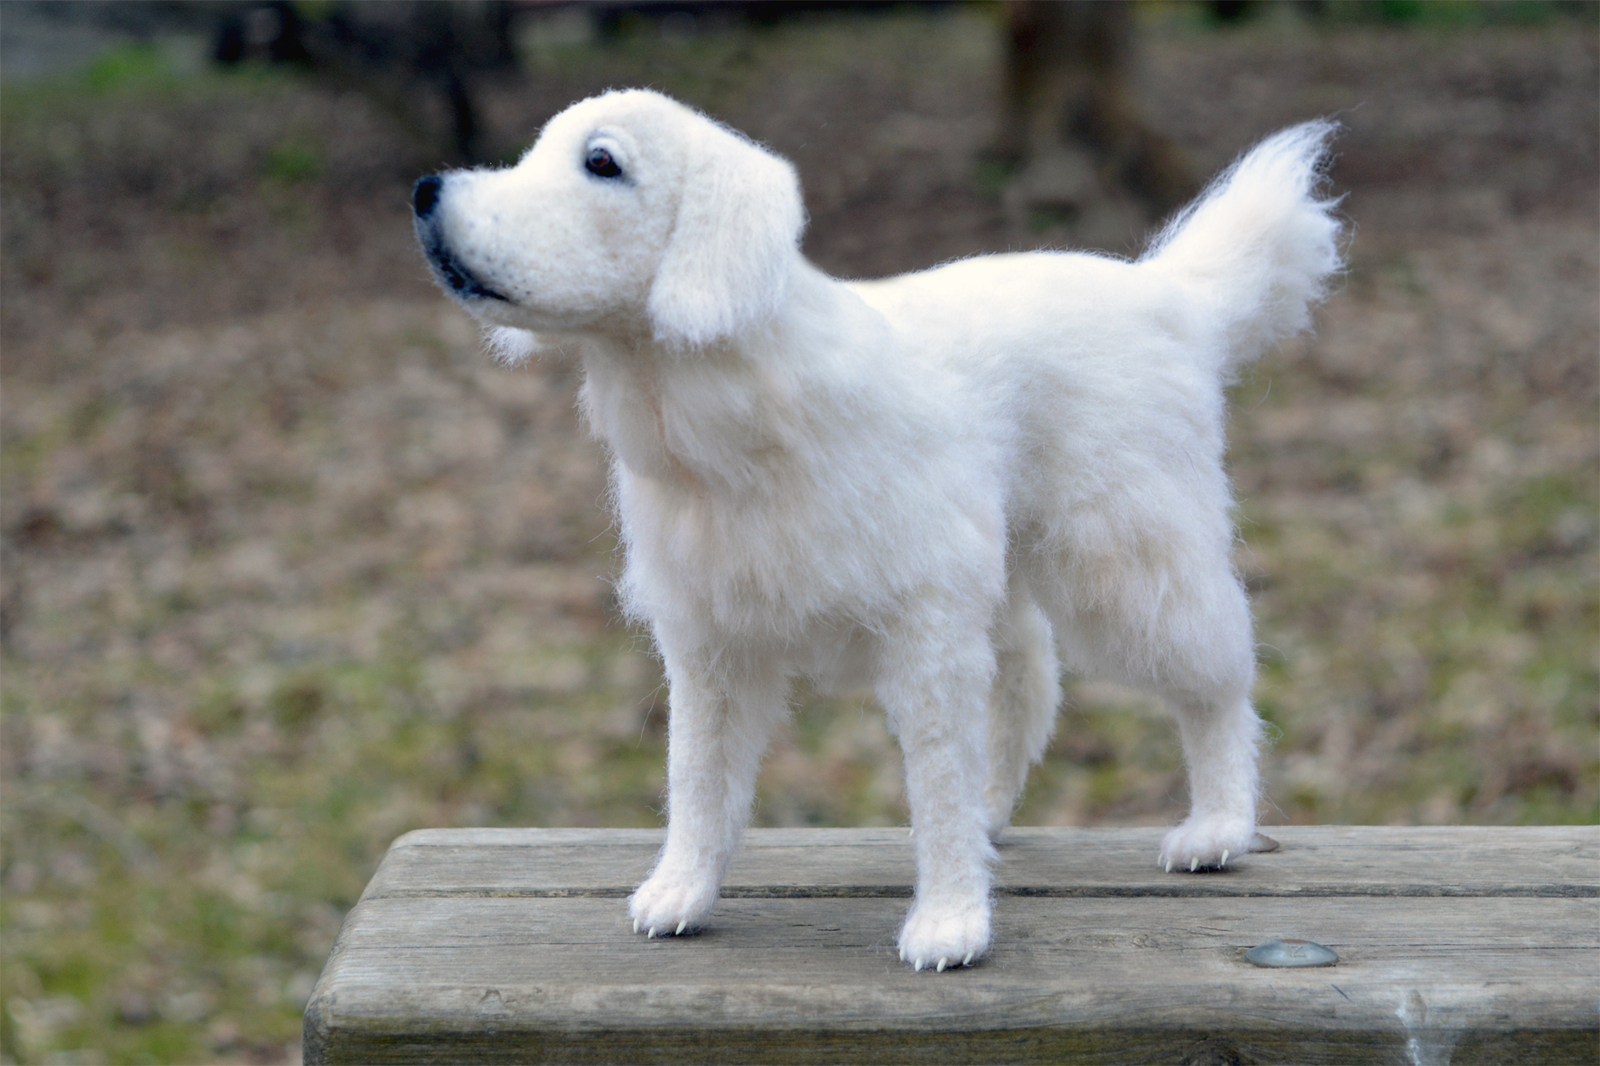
(291, 568)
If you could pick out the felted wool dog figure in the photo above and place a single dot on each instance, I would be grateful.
(944, 485)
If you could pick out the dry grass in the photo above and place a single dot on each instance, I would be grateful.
(290, 568)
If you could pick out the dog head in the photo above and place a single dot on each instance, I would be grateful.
(631, 214)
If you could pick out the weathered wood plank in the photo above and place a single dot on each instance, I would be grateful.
(506, 946)
(1319, 860)
(1122, 977)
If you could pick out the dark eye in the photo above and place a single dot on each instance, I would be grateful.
(601, 165)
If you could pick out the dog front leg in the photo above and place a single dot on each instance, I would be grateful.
(936, 700)
(720, 724)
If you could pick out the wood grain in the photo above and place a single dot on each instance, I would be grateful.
(1456, 945)
(1324, 860)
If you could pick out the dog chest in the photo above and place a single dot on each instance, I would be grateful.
(764, 496)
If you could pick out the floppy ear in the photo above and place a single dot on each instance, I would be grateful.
(727, 264)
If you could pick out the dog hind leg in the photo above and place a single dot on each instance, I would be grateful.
(1220, 742)
(1208, 669)
(1176, 625)
(1022, 702)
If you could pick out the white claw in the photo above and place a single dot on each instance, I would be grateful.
(1169, 866)
(968, 960)
(651, 935)
(1194, 864)
(636, 925)
(1224, 861)
(902, 954)
(943, 962)
(918, 966)
(681, 927)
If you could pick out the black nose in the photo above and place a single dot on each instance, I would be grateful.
(425, 195)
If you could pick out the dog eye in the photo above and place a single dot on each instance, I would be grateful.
(601, 165)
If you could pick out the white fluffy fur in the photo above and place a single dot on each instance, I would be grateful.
(937, 485)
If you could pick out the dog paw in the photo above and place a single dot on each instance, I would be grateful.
(1205, 844)
(941, 937)
(668, 905)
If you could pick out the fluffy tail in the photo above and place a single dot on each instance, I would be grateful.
(1258, 246)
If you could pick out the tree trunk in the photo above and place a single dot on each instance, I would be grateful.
(1081, 153)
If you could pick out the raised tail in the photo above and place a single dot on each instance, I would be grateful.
(1258, 247)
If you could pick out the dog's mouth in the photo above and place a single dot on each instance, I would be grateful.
(461, 282)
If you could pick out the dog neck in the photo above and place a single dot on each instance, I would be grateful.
(736, 416)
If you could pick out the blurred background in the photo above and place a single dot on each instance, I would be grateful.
(290, 567)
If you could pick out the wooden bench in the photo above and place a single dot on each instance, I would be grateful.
(504, 945)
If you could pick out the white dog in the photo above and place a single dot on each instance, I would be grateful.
(935, 484)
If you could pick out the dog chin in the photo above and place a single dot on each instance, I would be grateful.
(510, 346)
(459, 280)
(495, 315)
